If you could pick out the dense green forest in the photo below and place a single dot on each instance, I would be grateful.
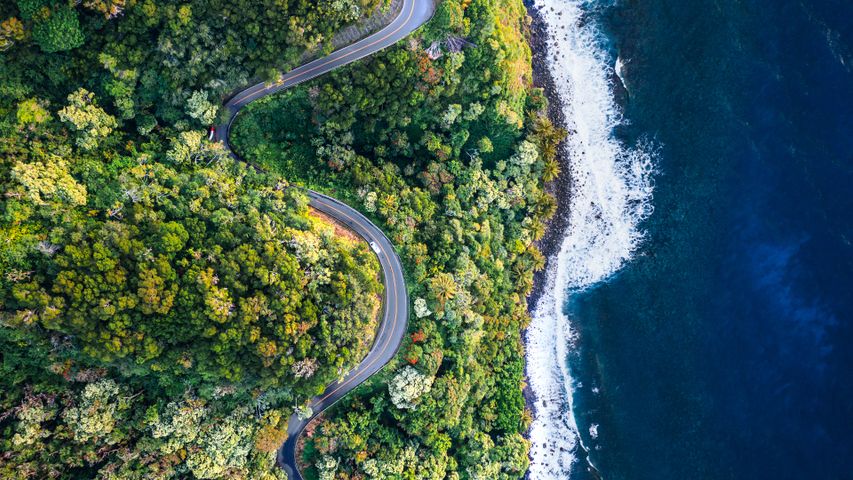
(449, 155)
(166, 308)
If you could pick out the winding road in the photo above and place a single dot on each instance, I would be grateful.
(395, 311)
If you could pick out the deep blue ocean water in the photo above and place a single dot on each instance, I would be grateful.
(725, 348)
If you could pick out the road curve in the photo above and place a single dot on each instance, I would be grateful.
(395, 316)
(395, 308)
(413, 14)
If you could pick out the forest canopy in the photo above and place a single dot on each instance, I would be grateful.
(166, 308)
(444, 142)
(163, 305)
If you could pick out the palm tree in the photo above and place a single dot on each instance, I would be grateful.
(551, 170)
(443, 287)
(537, 230)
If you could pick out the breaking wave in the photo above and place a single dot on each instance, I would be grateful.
(611, 196)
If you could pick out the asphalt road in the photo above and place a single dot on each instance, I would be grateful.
(395, 308)
(395, 316)
(413, 14)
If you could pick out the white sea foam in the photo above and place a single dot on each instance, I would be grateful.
(619, 68)
(593, 431)
(611, 195)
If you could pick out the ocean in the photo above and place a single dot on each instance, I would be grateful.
(697, 320)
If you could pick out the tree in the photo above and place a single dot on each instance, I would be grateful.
(407, 386)
(11, 31)
(178, 425)
(108, 8)
(97, 412)
(327, 468)
(484, 144)
(448, 18)
(32, 413)
(450, 115)
(120, 86)
(474, 111)
(145, 124)
(186, 147)
(443, 287)
(32, 111)
(90, 121)
(29, 8)
(60, 31)
(421, 309)
(304, 412)
(527, 154)
(370, 201)
(193, 147)
(273, 432)
(225, 446)
(304, 368)
(49, 182)
(200, 108)
(551, 170)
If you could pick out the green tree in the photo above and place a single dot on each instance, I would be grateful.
(224, 447)
(32, 111)
(200, 108)
(97, 413)
(29, 8)
(49, 181)
(90, 121)
(59, 31)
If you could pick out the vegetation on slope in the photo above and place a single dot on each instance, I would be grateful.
(449, 155)
(163, 307)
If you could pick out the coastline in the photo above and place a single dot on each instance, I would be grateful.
(560, 187)
(603, 194)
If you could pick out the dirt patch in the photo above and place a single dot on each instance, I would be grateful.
(375, 322)
(341, 230)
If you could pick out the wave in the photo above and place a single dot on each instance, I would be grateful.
(619, 69)
(611, 196)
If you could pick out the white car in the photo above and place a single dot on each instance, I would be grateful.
(375, 248)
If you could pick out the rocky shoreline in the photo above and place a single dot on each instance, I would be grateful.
(561, 187)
